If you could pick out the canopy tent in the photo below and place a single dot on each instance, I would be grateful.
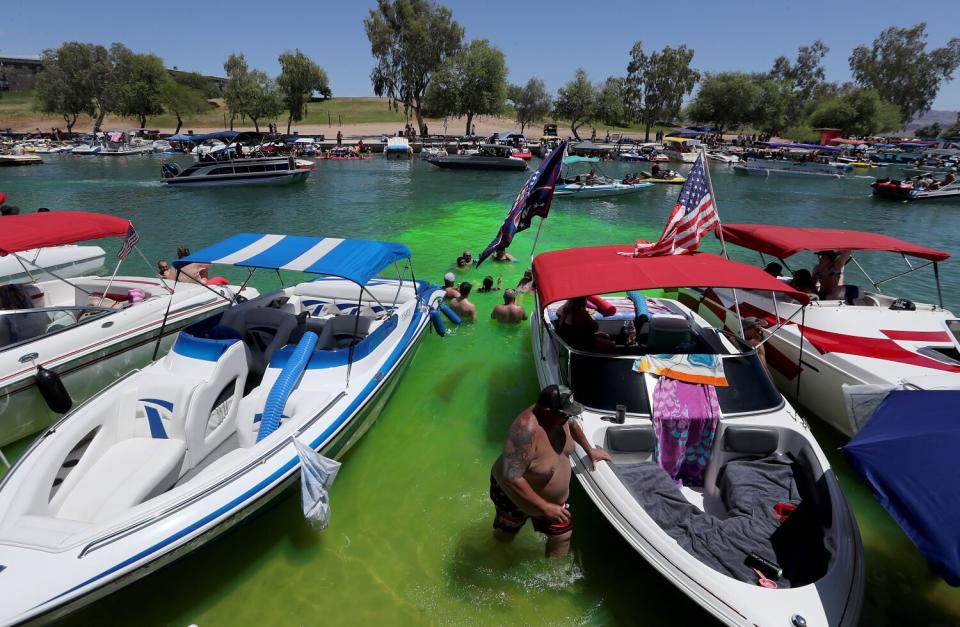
(53, 228)
(686, 133)
(704, 129)
(587, 146)
(574, 272)
(803, 146)
(221, 135)
(784, 241)
(906, 453)
(356, 260)
(572, 159)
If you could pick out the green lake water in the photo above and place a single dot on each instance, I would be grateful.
(409, 541)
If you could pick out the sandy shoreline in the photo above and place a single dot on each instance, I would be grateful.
(485, 127)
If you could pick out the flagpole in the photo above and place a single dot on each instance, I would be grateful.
(535, 239)
(723, 243)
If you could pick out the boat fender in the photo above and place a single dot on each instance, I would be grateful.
(602, 306)
(218, 280)
(450, 314)
(53, 391)
(438, 322)
(639, 305)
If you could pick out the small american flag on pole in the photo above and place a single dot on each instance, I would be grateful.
(128, 242)
(692, 217)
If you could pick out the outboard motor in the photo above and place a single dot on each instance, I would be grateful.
(53, 391)
(169, 170)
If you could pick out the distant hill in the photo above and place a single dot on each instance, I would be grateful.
(944, 118)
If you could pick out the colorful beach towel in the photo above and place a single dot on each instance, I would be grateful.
(695, 368)
(685, 420)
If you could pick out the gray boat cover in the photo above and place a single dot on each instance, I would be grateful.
(750, 490)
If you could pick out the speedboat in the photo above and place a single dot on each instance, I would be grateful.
(398, 147)
(83, 330)
(664, 177)
(43, 263)
(600, 188)
(766, 167)
(681, 149)
(907, 190)
(164, 460)
(280, 170)
(125, 144)
(488, 157)
(701, 497)
(864, 338)
(17, 160)
(722, 157)
(522, 153)
(342, 153)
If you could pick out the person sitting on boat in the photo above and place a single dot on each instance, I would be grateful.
(802, 281)
(829, 272)
(773, 269)
(950, 177)
(462, 305)
(655, 170)
(165, 271)
(450, 290)
(531, 478)
(575, 324)
(592, 177)
(753, 333)
(192, 272)
(509, 312)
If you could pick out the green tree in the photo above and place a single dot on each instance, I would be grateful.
(101, 84)
(859, 112)
(899, 68)
(237, 91)
(181, 96)
(410, 40)
(64, 85)
(531, 102)
(263, 99)
(137, 83)
(933, 130)
(299, 78)
(472, 82)
(657, 83)
(953, 131)
(774, 110)
(576, 101)
(805, 77)
(726, 100)
(611, 102)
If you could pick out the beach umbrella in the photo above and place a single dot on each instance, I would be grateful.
(907, 453)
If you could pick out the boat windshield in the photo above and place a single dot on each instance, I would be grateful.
(602, 382)
(17, 327)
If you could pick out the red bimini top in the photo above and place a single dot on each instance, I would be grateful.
(574, 272)
(53, 228)
(783, 241)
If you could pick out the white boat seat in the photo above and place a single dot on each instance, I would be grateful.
(127, 474)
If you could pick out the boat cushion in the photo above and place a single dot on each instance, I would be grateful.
(751, 491)
(128, 473)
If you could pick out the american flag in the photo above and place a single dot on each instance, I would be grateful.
(128, 242)
(692, 217)
(534, 200)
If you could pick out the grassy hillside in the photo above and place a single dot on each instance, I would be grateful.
(17, 112)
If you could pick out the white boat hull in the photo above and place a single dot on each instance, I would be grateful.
(213, 490)
(574, 190)
(834, 599)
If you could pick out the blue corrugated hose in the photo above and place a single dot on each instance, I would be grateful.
(277, 399)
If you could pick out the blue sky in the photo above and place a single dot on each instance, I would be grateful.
(549, 40)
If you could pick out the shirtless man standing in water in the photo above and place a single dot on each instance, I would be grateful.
(531, 479)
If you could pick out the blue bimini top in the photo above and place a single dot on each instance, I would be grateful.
(353, 259)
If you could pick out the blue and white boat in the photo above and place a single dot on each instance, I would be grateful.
(170, 456)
